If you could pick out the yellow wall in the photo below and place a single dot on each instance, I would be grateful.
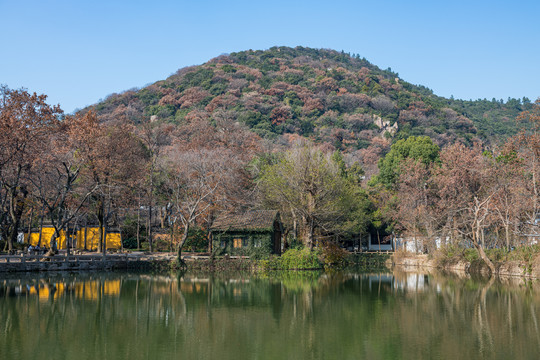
(46, 235)
(114, 239)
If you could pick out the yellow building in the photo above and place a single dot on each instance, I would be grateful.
(90, 233)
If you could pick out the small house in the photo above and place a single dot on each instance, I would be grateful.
(380, 243)
(254, 233)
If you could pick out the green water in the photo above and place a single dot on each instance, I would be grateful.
(284, 316)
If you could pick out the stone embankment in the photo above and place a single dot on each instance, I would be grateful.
(133, 260)
(17, 263)
(503, 269)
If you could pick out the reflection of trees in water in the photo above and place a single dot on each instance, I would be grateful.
(328, 315)
(494, 318)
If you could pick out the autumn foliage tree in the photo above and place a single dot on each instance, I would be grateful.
(527, 145)
(415, 195)
(113, 158)
(55, 179)
(26, 120)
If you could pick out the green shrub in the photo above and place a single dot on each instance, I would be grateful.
(497, 254)
(524, 253)
(451, 252)
(145, 246)
(129, 243)
(296, 259)
(470, 255)
(292, 259)
(295, 244)
(161, 244)
(197, 241)
(456, 253)
(271, 263)
(333, 256)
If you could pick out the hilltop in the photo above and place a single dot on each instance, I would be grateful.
(331, 97)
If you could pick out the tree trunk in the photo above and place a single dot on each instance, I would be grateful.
(311, 207)
(482, 237)
(40, 229)
(149, 230)
(104, 243)
(481, 252)
(173, 234)
(30, 225)
(285, 238)
(507, 235)
(101, 220)
(210, 242)
(295, 225)
(53, 246)
(139, 225)
(182, 242)
(486, 260)
(100, 238)
(69, 233)
(311, 231)
(16, 210)
(162, 216)
(85, 233)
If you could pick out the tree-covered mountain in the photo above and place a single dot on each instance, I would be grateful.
(222, 136)
(331, 97)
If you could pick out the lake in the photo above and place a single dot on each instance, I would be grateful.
(292, 315)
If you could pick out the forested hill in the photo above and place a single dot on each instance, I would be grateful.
(325, 95)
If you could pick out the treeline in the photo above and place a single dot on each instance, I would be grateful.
(469, 196)
(70, 170)
(61, 169)
(66, 168)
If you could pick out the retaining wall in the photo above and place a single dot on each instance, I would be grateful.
(70, 263)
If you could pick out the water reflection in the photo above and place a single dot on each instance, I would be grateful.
(283, 315)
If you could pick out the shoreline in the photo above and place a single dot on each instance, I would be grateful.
(87, 262)
(124, 261)
(515, 269)
(166, 261)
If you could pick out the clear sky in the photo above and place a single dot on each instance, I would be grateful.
(78, 52)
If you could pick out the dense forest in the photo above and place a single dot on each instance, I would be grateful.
(340, 147)
(339, 100)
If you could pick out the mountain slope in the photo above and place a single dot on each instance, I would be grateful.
(328, 96)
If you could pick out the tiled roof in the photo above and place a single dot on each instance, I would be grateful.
(251, 220)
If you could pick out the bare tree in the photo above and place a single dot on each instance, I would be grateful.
(197, 181)
(466, 194)
(154, 136)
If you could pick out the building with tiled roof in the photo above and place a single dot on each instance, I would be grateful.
(255, 233)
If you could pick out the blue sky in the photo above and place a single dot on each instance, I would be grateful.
(78, 52)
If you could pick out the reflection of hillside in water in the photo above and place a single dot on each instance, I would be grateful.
(311, 315)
